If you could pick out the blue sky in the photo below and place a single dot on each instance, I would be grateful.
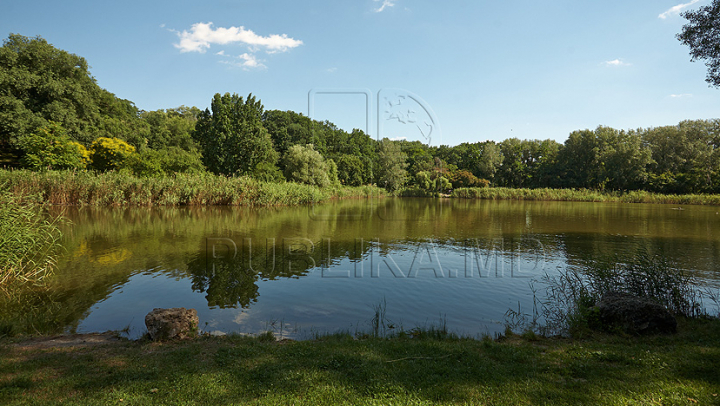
(471, 70)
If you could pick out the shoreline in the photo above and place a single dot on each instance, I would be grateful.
(66, 188)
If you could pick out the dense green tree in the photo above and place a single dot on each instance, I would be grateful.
(545, 173)
(354, 170)
(149, 162)
(391, 173)
(624, 160)
(171, 127)
(39, 83)
(305, 165)
(419, 156)
(604, 159)
(287, 128)
(685, 158)
(514, 170)
(232, 137)
(702, 35)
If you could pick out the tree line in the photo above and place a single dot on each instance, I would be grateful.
(54, 115)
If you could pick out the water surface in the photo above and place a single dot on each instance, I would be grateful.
(325, 268)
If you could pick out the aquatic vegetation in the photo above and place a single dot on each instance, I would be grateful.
(124, 189)
(29, 240)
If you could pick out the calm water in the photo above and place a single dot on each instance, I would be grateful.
(324, 268)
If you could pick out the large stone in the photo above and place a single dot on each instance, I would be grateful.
(634, 315)
(168, 324)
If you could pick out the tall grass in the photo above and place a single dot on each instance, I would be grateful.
(572, 294)
(117, 188)
(583, 195)
(28, 241)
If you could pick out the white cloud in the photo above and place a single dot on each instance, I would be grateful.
(676, 9)
(331, 70)
(617, 62)
(221, 53)
(202, 35)
(385, 4)
(246, 61)
(398, 139)
(678, 96)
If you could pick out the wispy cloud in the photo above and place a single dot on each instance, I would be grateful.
(678, 96)
(676, 9)
(616, 62)
(385, 4)
(331, 70)
(202, 35)
(246, 61)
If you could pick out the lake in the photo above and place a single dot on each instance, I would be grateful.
(298, 271)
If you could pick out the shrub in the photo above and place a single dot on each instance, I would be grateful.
(110, 153)
(50, 147)
(463, 178)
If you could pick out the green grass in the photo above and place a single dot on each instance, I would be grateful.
(583, 195)
(122, 189)
(338, 369)
(29, 239)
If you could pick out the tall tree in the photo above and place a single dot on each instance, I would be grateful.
(232, 137)
(391, 173)
(305, 165)
(702, 35)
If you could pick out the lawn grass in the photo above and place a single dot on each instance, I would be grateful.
(341, 369)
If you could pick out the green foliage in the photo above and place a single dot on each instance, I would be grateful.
(267, 172)
(464, 178)
(605, 159)
(353, 170)
(164, 162)
(391, 173)
(287, 128)
(28, 241)
(305, 165)
(232, 138)
(110, 153)
(41, 84)
(49, 147)
(171, 127)
(700, 34)
(685, 158)
(432, 182)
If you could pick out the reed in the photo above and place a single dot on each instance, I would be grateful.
(29, 239)
(583, 195)
(123, 189)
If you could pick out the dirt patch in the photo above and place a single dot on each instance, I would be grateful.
(65, 341)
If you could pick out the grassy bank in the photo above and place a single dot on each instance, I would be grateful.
(605, 370)
(497, 193)
(112, 188)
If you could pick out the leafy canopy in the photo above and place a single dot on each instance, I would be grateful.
(702, 35)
